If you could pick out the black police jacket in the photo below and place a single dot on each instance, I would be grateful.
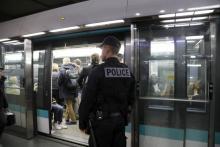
(110, 87)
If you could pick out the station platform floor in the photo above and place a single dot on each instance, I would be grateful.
(8, 140)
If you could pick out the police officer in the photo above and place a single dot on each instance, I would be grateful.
(108, 93)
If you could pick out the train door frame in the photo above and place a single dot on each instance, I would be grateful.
(41, 103)
(47, 83)
(48, 65)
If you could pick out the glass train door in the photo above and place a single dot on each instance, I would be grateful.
(174, 73)
(16, 58)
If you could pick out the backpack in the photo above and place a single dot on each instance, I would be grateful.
(70, 82)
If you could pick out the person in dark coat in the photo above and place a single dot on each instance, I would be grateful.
(55, 87)
(66, 94)
(3, 101)
(86, 70)
(107, 99)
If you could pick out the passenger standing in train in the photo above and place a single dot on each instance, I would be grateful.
(68, 88)
(86, 70)
(55, 87)
(57, 103)
(107, 97)
(78, 63)
(3, 101)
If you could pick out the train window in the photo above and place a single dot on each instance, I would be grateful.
(13, 68)
(195, 45)
(162, 47)
(158, 72)
(13, 57)
(161, 78)
(12, 85)
(196, 73)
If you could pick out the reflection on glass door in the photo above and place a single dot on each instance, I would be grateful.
(196, 84)
(173, 78)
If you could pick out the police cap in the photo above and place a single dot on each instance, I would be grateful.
(112, 41)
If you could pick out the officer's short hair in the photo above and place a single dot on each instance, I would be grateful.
(95, 58)
(113, 42)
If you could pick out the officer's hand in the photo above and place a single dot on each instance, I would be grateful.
(86, 131)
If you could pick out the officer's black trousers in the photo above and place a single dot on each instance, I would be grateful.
(109, 133)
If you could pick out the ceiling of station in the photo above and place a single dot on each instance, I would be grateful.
(153, 7)
(11, 9)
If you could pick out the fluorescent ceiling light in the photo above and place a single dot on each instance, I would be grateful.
(169, 26)
(212, 36)
(196, 24)
(184, 14)
(199, 18)
(193, 57)
(168, 21)
(180, 10)
(165, 47)
(5, 39)
(137, 14)
(205, 7)
(105, 23)
(194, 37)
(184, 19)
(203, 12)
(9, 42)
(180, 41)
(194, 65)
(162, 11)
(34, 34)
(64, 29)
(18, 43)
(13, 42)
(182, 25)
(167, 16)
(190, 41)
